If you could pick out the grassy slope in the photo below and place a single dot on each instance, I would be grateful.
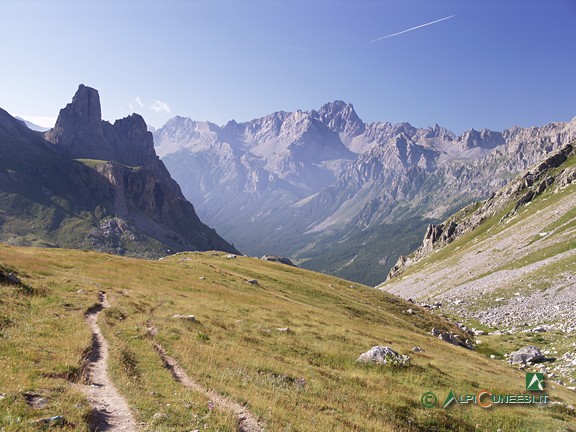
(552, 213)
(38, 208)
(558, 226)
(301, 380)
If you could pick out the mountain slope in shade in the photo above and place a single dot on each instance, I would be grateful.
(93, 185)
(336, 194)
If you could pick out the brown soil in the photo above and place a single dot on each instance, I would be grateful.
(110, 411)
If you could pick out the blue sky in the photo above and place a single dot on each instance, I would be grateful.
(492, 64)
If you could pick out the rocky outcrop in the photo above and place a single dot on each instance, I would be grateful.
(79, 130)
(80, 133)
(278, 259)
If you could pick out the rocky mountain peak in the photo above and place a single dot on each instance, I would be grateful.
(122, 201)
(80, 133)
(438, 131)
(83, 110)
(134, 143)
(484, 138)
(79, 130)
(340, 117)
(134, 122)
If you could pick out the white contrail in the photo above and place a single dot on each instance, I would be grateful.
(413, 28)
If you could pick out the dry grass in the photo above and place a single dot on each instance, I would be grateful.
(298, 380)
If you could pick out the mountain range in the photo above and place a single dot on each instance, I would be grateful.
(331, 192)
(335, 194)
(91, 184)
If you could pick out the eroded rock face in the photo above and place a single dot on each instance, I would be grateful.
(79, 129)
(80, 133)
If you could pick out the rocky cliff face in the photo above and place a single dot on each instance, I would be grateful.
(95, 185)
(80, 133)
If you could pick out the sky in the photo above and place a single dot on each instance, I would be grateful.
(461, 64)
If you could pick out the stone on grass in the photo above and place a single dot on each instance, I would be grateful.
(13, 278)
(35, 401)
(384, 355)
(252, 282)
(527, 354)
(185, 317)
(279, 259)
(54, 420)
(453, 339)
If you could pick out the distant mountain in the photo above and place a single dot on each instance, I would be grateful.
(32, 126)
(95, 185)
(334, 193)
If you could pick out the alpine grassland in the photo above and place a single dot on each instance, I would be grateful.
(279, 340)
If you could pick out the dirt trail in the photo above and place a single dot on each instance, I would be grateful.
(110, 410)
(245, 419)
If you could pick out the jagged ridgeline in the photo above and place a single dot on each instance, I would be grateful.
(91, 184)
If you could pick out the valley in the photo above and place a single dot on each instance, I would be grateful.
(323, 187)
